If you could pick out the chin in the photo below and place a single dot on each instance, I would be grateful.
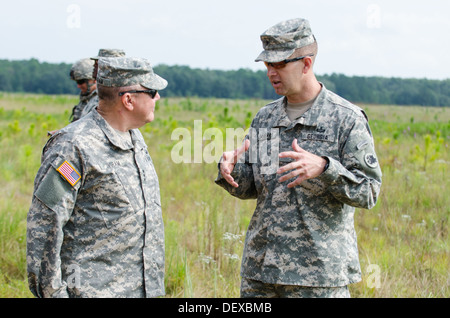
(150, 118)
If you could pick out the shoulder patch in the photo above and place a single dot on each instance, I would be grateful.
(371, 160)
(69, 173)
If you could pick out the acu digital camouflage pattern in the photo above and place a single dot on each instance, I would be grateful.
(93, 102)
(128, 71)
(257, 289)
(104, 236)
(109, 53)
(281, 40)
(82, 69)
(80, 109)
(305, 235)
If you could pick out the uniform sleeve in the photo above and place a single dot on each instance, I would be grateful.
(52, 204)
(355, 179)
(243, 175)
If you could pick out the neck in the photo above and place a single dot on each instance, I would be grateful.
(309, 90)
(114, 115)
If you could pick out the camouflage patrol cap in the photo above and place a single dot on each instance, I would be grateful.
(128, 71)
(281, 40)
(82, 69)
(108, 53)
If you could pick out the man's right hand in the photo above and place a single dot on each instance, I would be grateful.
(229, 159)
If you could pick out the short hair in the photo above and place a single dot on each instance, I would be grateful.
(110, 94)
(107, 93)
(308, 49)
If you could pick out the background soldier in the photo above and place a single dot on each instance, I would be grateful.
(82, 73)
(94, 228)
(93, 102)
(301, 240)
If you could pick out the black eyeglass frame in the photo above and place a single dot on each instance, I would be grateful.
(151, 92)
(82, 81)
(283, 63)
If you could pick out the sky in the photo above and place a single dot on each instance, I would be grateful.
(393, 38)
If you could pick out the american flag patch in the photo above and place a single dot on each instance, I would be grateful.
(69, 173)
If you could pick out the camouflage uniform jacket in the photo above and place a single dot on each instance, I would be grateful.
(305, 235)
(78, 109)
(90, 105)
(103, 236)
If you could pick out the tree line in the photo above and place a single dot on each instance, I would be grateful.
(32, 76)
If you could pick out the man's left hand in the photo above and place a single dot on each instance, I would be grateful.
(305, 165)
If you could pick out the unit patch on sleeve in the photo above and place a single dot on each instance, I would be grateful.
(69, 173)
(371, 160)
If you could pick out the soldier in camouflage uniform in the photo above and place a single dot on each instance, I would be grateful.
(95, 228)
(81, 72)
(93, 102)
(309, 160)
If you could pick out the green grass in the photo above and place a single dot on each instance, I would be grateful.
(403, 241)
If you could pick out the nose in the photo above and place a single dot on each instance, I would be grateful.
(81, 87)
(271, 70)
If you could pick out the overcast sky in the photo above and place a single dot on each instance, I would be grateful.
(393, 38)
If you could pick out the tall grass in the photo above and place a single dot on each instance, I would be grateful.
(403, 241)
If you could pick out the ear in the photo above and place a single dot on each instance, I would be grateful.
(308, 64)
(127, 101)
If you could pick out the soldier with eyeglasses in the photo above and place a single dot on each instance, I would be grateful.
(109, 53)
(95, 227)
(82, 73)
(301, 240)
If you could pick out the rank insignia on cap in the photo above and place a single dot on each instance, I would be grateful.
(69, 173)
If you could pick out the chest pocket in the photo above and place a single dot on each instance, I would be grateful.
(131, 182)
(319, 141)
(116, 196)
(264, 150)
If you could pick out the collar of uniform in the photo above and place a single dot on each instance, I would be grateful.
(281, 118)
(86, 98)
(309, 118)
(112, 136)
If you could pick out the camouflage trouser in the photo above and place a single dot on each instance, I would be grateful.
(256, 289)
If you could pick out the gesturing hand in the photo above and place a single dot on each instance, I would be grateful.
(229, 159)
(306, 165)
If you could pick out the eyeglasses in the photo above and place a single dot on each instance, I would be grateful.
(151, 92)
(81, 82)
(282, 64)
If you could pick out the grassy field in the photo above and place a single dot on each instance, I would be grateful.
(403, 241)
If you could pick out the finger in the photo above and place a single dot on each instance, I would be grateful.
(289, 154)
(230, 180)
(227, 156)
(229, 160)
(226, 168)
(296, 182)
(289, 166)
(225, 171)
(295, 146)
(234, 184)
(245, 145)
(290, 175)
